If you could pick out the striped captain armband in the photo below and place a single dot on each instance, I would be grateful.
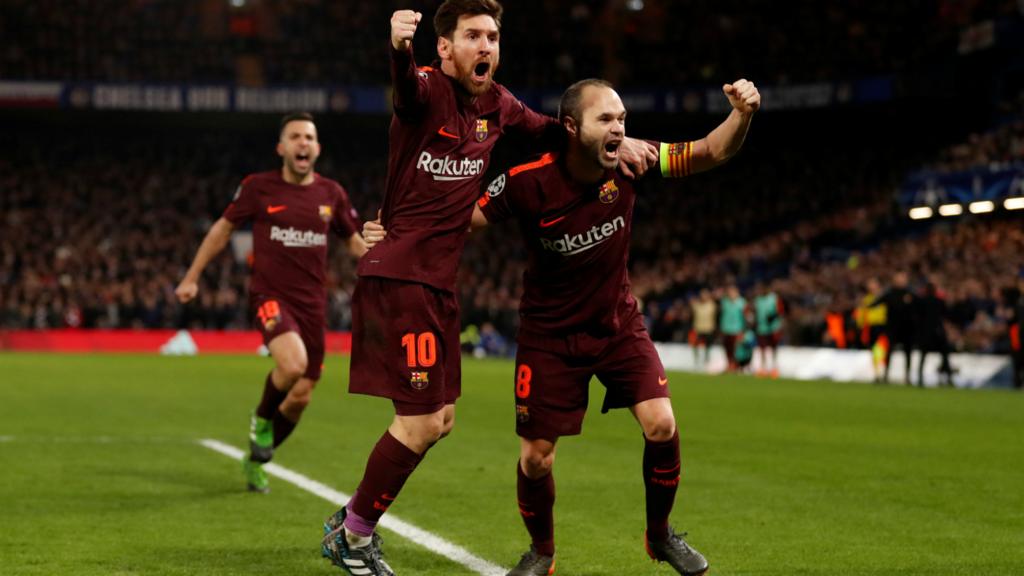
(675, 159)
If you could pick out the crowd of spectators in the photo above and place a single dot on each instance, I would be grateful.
(996, 149)
(100, 221)
(548, 44)
(973, 264)
(96, 239)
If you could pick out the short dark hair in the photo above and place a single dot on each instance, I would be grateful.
(569, 107)
(293, 116)
(446, 19)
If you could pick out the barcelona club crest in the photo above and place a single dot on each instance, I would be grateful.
(481, 130)
(419, 380)
(522, 414)
(326, 213)
(609, 192)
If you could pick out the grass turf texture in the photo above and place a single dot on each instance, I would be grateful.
(102, 475)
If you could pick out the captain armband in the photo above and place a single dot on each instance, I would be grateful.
(676, 159)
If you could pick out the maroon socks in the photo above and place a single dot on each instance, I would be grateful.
(537, 507)
(389, 466)
(661, 478)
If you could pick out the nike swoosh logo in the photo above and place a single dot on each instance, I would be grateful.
(275, 209)
(548, 222)
(446, 134)
(662, 381)
(666, 471)
(388, 497)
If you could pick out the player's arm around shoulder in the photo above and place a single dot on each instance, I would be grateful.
(722, 143)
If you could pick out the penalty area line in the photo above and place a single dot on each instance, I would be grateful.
(414, 534)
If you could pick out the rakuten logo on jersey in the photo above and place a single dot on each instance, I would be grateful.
(568, 245)
(446, 169)
(293, 238)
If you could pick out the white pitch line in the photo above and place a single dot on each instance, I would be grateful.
(414, 534)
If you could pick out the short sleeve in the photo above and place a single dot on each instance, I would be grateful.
(244, 204)
(345, 219)
(495, 202)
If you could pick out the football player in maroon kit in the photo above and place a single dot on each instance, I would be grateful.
(405, 316)
(578, 318)
(291, 210)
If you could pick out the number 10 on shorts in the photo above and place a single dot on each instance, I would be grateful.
(420, 349)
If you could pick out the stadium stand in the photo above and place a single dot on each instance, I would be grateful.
(100, 218)
(277, 41)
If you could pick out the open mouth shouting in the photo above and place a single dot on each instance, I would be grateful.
(610, 151)
(303, 160)
(481, 72)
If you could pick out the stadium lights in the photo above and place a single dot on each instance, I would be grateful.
(981, 207)
(920, 213)
(951, 210)
(1014, 203)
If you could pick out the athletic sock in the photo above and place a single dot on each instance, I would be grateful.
(390, 464)
(272, 398)
(537, 507)
(283, 428)
(661, 478)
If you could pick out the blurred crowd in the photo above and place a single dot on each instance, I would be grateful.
(98, 238)
(100, 224)
(973, 266)
(547, 44)
(996, 149)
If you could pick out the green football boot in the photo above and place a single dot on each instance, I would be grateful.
(255, 476)
(261, 439)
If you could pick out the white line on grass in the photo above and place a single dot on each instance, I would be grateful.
(412, 533)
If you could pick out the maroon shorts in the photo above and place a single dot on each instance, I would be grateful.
(769, 340)
(275, 317)
(552, 378)
(405, 345)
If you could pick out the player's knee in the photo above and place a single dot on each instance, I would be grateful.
(292, 368)
(537, 464)
(430, 430)
(661, 428)
(447, 426)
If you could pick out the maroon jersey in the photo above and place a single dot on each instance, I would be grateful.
(439, 151)
(289, 230)
(577, 239)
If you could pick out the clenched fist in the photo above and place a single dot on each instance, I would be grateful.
(743, 96)
(186, 291)
(403, 28)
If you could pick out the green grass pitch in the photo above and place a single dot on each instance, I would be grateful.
(100, 474)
